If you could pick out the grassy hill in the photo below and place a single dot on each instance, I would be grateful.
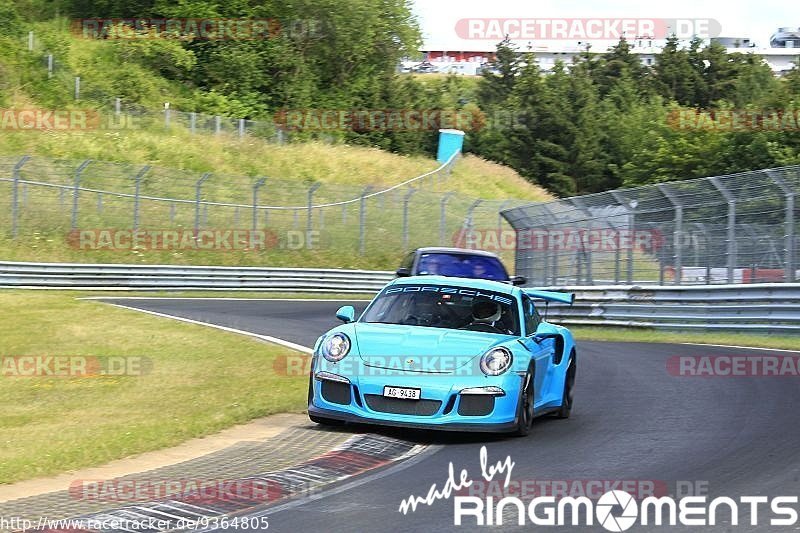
(180, 159)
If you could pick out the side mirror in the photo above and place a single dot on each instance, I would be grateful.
(346, 314)
(402, 272)
(518, 280)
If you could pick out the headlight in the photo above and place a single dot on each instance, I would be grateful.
(335, 347)
(496, 361)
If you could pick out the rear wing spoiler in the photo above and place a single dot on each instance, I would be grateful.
(551, 296)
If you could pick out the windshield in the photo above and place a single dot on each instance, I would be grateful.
(462, 266)
(445, 307)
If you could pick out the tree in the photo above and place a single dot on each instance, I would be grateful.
(498, 80)
(674, 76)
(615, 63)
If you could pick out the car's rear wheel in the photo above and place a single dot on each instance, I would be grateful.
(567, 399)
(525, 405)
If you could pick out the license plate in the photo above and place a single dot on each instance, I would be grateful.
(402, 392)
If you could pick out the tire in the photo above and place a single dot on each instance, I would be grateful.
(567, 399)
(525, 405)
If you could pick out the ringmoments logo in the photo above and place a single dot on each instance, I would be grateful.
(618, 510)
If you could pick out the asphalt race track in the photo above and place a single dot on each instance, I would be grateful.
(633, 421)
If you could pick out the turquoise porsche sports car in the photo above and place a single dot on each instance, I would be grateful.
(445, 353)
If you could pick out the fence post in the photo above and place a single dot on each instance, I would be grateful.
(217, 125)
(309, 215)
(406, 199)
(500, 217)
(138, 185)
(789, 238)
(731, 225)
(362, 220)
(630, 209)
(192, 122)
(468, 222)
(30, 41)
(198, 191)
(548, 248)
(632, 220)
(443, 217)
(241, 127)
(257, 185)
(166, 117)
(585, 251)
(117, 106)
(77, 87)
(76, 192)
(99, 202)
(49, 65)
(677, 233)
(15, 194)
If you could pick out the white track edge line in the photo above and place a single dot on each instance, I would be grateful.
(267, 338)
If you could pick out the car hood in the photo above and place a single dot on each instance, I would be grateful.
(420, 349)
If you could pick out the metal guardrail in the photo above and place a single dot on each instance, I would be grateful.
(206, 278)
(767, 307)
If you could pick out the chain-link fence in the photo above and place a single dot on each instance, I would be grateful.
(67, 200)
(740, 228)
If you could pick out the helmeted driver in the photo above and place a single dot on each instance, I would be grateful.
(486, 312)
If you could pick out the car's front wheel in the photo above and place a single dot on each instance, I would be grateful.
(525, 405)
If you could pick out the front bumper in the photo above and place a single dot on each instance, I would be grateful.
(484, 427)
(359, 399)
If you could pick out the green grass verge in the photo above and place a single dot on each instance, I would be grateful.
(615, 334)
(202, 380)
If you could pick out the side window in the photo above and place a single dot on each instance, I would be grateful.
(531, 315)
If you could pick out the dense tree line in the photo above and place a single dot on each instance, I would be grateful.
(603, 122)
(608, 121)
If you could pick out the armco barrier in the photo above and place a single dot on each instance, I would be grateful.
(206, 278)
(768, 307)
